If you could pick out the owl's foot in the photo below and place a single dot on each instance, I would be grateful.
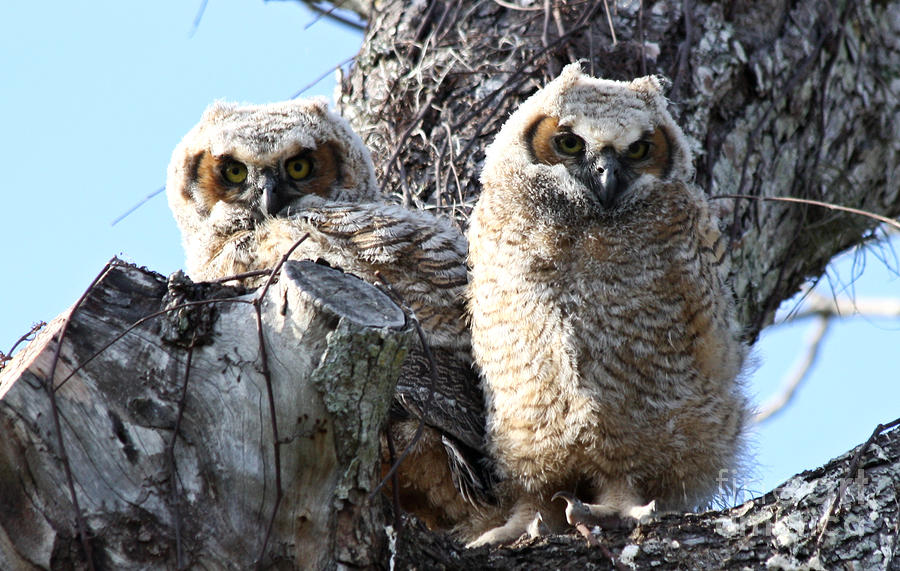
(522, 520)
(604, 516)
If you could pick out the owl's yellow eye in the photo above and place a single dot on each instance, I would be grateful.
(234, 172)
(299, 168)
(569, 143)
(637, 150)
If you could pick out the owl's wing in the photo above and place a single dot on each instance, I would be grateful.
(421, 257)
(454, 407)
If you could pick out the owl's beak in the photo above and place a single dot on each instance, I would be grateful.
(604, 180)
(270, 203)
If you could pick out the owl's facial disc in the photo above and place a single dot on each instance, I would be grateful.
(603, 157)
(267, 187)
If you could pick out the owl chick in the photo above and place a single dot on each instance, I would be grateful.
(248, 182)
(601, 320)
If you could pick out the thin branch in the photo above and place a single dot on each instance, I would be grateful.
(51, 393)
(140, 322)
(800, 373)
(511, 6)
(561, 31)
(684, 48)
(4, 357)
(312, 84)
(395, 489)
(612, 29)
(412, 125)
(545, 37)
(828, 307)
(142, 202)
(432, 367)
(267, 375)
(331, 14)
(828, 205)
(641, 38)
(196, 23)
(851, 471)
(173, 469)
(242, 276)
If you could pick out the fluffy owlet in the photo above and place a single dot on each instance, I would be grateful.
(601, 320)
(248, 181)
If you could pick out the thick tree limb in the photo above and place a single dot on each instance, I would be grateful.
(790, 527)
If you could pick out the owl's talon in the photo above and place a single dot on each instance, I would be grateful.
(605, 517)
(537, 527)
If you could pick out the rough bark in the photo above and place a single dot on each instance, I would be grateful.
(169, 434)
(778, 98)
(790, 528)
(176, 470)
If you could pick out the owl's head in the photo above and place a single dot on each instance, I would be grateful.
(591, 142)
(242, 164)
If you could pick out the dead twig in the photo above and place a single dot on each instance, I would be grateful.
(400, 145)
(800, 373)
(57, 428)
(331, 14)
(828, 205)
(511, 6)
(267, 375)
(312, 83)
(545, 36)
(196, 24)
(140, 322)
(824, 307)
(241, 276)
(851, 470)
(395, 490)
(684, 48)
(140, 203)
(641, 38)
(173, 469)
(612, 29)
(388, 289)
(4, 357)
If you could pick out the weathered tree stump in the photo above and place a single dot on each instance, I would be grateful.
(168, 430)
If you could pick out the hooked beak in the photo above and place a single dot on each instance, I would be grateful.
(604, 179)
(269, 201)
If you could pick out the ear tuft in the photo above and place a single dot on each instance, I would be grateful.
(319, 103)
(217, 109)
(651, 84)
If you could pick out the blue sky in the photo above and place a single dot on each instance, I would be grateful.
(111, 87)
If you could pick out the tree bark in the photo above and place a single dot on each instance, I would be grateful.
(168, 428)
(778, 99)
(167, 431)
(792, 527)
(174, 465)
